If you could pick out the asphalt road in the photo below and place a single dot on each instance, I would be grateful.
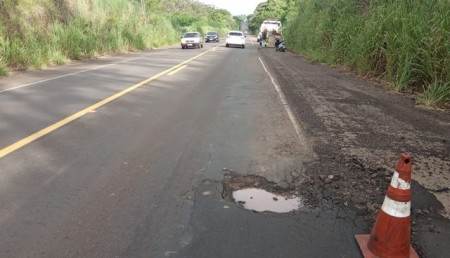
(125, 157)
(126, 177)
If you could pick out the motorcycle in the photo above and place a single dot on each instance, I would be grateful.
(279, 45)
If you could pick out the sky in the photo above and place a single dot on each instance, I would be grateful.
(235, 7)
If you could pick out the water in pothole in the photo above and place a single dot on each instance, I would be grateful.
(261, 200)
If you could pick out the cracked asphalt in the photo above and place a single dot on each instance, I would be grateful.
(358, 129)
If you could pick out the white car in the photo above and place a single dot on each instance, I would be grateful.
(235, 38)
(192, 39)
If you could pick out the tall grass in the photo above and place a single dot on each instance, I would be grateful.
(48, 34)
(404, 41)
(435, 94)
(34, 33)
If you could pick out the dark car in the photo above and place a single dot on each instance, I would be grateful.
(212, 36)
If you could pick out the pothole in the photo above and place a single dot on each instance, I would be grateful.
(258, 194)
(261, 200)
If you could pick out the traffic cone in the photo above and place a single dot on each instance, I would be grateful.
(390, 235)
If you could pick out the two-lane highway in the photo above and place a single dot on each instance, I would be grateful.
(124, 157)
(25, 110)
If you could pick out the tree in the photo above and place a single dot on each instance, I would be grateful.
(221, 16)
(272, 9)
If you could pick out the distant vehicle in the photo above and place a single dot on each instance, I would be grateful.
(192, 39)
(235, 38)
(212, 36)
(271, 26)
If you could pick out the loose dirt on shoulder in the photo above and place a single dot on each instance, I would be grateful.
(358, 131)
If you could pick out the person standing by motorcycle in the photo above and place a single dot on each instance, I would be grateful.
(277, 42)
(264, 39)
(279, 45)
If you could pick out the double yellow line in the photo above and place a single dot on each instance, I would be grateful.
(27, 140)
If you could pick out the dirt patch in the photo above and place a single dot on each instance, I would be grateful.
(349, 182)
(358, 131)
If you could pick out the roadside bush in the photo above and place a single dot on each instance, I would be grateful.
(404, 41)
(3, 67)
(435, 94)
(183, 19)
(3, 70)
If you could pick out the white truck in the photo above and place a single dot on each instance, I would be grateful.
(269, 31)
(271, 26)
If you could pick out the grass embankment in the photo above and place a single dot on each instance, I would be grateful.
(405, 41)
(40, 32)
(35, 33)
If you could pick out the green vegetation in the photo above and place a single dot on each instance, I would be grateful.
(189, 15)
(35, 33)
(271, 9)
(405, 41)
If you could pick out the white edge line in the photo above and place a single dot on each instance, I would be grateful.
(69, 74)
(300, 132)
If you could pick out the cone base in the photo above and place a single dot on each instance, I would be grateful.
(363, 241)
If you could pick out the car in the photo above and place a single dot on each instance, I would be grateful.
(212, 36)
(192, 39)
(235, 38)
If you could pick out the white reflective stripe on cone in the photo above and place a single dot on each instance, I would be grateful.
(395, 208)
(399, 183)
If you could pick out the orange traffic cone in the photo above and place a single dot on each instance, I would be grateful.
(390, 235)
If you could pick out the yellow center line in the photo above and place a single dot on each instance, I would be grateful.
(177, 70)
(29, 139)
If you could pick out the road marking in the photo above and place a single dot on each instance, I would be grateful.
(65, 75)
(29, 139)
(177, 70)
(74, 73)
(298, 129)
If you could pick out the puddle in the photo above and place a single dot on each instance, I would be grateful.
(261, 200)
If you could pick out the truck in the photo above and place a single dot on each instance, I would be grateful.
(269, 31)
(271, 26)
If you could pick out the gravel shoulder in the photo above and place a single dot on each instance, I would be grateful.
(358, 130)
